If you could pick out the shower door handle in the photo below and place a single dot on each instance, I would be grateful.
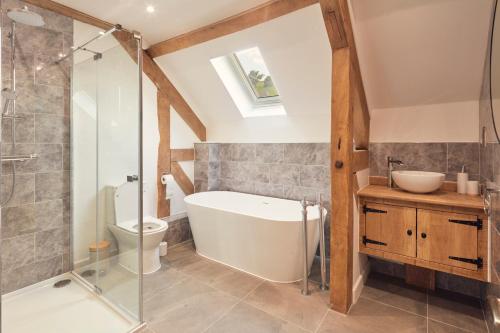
(132, 178)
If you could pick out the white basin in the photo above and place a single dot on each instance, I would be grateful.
(418, 181)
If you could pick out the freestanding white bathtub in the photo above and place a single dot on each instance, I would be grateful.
(252, 233)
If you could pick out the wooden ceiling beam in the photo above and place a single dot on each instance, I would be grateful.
(247, 19)
(180, 155)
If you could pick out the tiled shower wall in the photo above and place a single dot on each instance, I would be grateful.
(441, 157)
(281, 170)
(35, 228)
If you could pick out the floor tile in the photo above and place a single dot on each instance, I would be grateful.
(368, 316)
(285, 301)
(237, 283)
(160, 280)
(394, 292)
(181, 255)
(436, 327)
(247, 319)
(459, 311)
(189, 306)
(206, 270)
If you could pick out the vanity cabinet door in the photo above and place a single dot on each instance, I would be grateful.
(390, 228)
(448, 238)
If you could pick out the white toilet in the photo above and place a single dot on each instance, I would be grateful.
(125, 229)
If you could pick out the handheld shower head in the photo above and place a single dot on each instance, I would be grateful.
(25, 16)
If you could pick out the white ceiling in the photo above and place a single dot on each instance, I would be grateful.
(171, 17)
(419, 52)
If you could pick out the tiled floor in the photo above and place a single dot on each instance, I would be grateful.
(192, 294)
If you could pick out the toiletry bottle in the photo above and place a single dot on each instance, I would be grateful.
(462, 179)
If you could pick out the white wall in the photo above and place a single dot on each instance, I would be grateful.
(449, 122)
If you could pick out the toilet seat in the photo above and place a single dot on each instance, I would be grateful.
(150, 225)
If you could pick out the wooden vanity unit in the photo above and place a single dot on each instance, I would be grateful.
(442, 231)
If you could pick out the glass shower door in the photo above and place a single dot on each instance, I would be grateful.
(106, 160)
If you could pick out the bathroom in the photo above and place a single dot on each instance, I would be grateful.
(163, 171)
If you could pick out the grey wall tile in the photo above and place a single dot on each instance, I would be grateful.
(178, 232)
(44, 102)
(314, 176)
(201, 170)
(415, 156)
(300, 192)
(46, 269)
(201, 152)
(52, 185)
(17, 251)
(49, 243)
(18, 220)
(243, 151)
(19, 278)
(270, 153)
(237, 186)
(51, 129)
(270, 190)
(24, 189)
(49, 214)
(225, 151)
(285, 174)
(307, 153)
(213, 152)
(25, 129)
(50, 157)
(29, 166)
(47, 72)
(463, 154)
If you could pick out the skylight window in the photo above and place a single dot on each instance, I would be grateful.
(249, 82)
(256, 73)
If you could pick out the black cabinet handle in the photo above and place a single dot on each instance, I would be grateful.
(409, 232)
(424, 235)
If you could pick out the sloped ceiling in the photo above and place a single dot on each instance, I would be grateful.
(419, 52)
(297, 53)
(412, 52)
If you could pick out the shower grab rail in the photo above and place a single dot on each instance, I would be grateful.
(19, 158)
(6, 116)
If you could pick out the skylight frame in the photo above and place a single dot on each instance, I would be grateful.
(239, 88)
(262, 101)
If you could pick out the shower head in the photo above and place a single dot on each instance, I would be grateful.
(25, 16)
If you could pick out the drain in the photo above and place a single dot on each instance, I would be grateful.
(88, 273)
(62, 283)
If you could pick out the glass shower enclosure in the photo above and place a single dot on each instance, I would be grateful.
(106, 159)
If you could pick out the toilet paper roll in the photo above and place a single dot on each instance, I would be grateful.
(473, 187)
(169, 181)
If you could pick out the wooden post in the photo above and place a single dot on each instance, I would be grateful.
(163, 109)
(342, 183)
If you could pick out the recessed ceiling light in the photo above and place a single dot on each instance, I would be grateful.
(150, 9)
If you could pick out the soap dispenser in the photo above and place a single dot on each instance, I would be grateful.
(462, 179)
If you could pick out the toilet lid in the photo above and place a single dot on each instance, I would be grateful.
(126, 202)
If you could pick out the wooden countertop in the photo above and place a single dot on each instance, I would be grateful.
(441, 198)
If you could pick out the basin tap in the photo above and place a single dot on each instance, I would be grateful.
(390, 162)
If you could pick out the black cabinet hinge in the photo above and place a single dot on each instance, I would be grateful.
(478, 262)
(373, 210)
(478, 223)
(371, 241)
